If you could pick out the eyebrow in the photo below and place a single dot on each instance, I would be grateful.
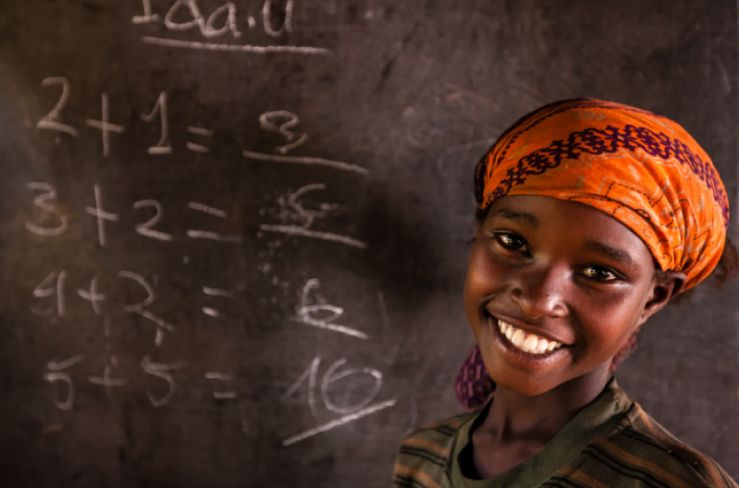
(515, 215)
(617, 254)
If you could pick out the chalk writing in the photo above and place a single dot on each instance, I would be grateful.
(147, 17)
(108, 381)
(208, 234)
(104, 125)
(336, 372)
(292, 208)
(188, 16)
(163, 146)
(44, 201)
(309, 161)
(93, 295)
(314, 311)
(282, 122)
(163, 372)
(338, 422)
(56, 375)
(139, 308)
(100, 215)
(52, 221)
(53, 285)
(221, 394)
(146, 228)
(51, 121)
(195, 147)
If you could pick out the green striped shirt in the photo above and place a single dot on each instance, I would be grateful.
(611, 443)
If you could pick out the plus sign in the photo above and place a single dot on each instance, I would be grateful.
(107, 381)
(105, 126)
(101, 215)
(93, 295)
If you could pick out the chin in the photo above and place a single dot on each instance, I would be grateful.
(530, 388)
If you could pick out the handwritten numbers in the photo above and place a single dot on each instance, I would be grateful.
(53, 285)
(104, 125)
(334, 373)
(51, 121)
(310, 375)
(146, 228)
(57, 375)
(348, 412)
(161, 371)
(296, 210)
(140, 308)
(313, 310)
(307, 215)
(148, 290)
(282, 122)
(164, 146)
(46, 202)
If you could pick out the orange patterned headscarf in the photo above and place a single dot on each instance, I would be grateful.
(643, 169)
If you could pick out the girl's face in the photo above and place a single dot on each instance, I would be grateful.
(554, 289)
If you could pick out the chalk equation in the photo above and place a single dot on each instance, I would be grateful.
(48, 217)
(224, 27)
(160, 380)
(281, 123)
(335, 391)
(345, 391)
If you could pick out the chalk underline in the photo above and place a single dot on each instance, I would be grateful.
(243, 48)
(274, 158)
(313, 234)
(338, 422)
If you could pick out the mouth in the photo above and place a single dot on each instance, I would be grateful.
(524, 345)
(526, 341)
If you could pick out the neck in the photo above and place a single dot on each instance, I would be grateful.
(514, 416)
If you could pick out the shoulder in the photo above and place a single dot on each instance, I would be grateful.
(646, 452)
(424, 456)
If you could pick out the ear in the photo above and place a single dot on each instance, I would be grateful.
(666, 285)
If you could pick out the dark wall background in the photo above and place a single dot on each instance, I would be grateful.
(220, 336)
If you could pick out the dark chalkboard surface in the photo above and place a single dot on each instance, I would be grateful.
(233, 234)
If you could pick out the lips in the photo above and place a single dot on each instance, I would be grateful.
(526, 341)
(523, 345)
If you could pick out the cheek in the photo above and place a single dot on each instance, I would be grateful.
(482, 273)
(612, 321)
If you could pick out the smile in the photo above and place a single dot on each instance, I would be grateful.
(526, 341)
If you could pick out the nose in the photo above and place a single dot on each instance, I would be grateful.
(542, 292)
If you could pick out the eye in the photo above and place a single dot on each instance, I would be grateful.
(600, 274)
(512, 242)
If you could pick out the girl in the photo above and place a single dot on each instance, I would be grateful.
(592, 215)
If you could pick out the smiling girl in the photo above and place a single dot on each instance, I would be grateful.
(592, 216)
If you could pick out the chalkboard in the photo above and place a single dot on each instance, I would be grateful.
(234, 233)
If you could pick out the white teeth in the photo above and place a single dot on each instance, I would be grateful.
(530, 343)
(517, 339)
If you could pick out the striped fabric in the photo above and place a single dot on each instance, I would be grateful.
(627, 449)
